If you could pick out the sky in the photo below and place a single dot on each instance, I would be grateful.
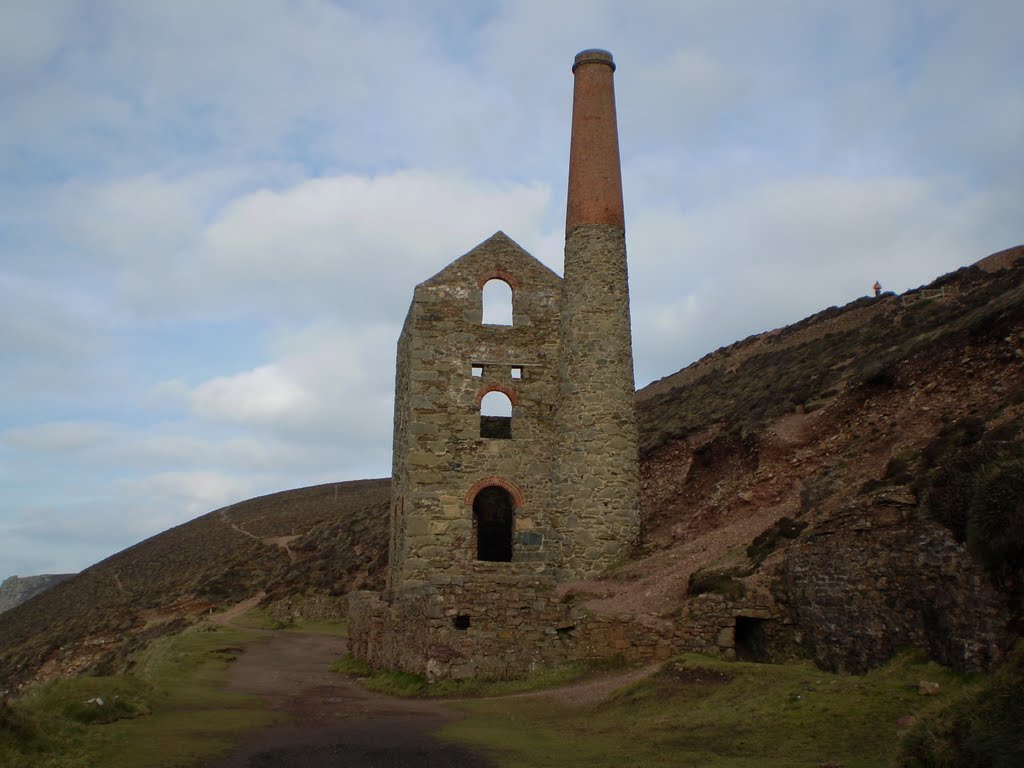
(213, 212)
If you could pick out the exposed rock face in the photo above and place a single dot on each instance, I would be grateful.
(873, 580)
(16, 589)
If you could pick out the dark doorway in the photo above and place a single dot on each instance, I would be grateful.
(492, 513)
(750, 639)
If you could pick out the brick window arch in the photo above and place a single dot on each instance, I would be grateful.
(518, 498)
(496, 387)
(497, 274)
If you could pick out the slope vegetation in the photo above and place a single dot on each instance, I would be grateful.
(323, 540)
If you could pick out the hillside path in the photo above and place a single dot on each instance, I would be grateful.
(333, 722)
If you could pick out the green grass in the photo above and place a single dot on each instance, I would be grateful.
(979, 727)
(404, 684)
(703, 712)
(171, 711)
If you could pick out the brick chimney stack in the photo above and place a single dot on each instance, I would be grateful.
(595, 179)
(597, 474)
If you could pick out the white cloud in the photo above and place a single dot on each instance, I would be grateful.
(262, 395)
(328, 238)
(201, 244)
(330, 393)
(174, 497)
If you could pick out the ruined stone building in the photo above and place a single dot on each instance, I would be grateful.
(491, 509)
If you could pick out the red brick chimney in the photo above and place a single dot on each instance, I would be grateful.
(596, 475)
(595, 180)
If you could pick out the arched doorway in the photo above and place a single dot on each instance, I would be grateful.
(492, 519)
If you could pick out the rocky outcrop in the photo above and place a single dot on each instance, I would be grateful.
(876, 578)
(17, 589)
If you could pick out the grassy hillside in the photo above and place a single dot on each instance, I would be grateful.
(324, 539)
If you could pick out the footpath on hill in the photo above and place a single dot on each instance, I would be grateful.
(333, 722)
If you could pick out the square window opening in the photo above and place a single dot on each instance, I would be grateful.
(517, 371)
(477, 370)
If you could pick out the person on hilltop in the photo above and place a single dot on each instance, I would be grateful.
(878, 289)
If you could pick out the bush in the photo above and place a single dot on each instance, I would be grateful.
(100, 710)
(982, 729)
(816, 489)
(878, 374)
(995, 520)
(14, 727)
(767, 541)
(725, 583)
(960, 434)
(352, 666)
(950, 489)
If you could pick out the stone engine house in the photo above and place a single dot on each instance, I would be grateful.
(515, 443)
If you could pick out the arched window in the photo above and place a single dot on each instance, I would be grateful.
(497, 309)
(492, 518)
(496, 416)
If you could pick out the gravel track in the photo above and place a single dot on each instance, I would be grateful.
(333, 722)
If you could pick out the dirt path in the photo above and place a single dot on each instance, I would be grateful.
(591, 692)
(334, 723)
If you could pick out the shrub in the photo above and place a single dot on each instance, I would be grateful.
(816, 489)
(879, 374)
(769, 540)
(982, 729)
(725, 583)
(352, 666)
(1003, 433)
(14, 727)
(100, 710)
(897, 471)
(995, 520)
(961, 433)
(950, 489)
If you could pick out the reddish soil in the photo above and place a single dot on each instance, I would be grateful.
(333, 722)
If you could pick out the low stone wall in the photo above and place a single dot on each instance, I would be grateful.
(505, 627)
(310, 608)
(875, 580)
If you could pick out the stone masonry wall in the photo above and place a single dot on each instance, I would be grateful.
(499, 626)
(597, 475)
(399, 462)
(441, 460)
(493, 627)
(874, 580)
